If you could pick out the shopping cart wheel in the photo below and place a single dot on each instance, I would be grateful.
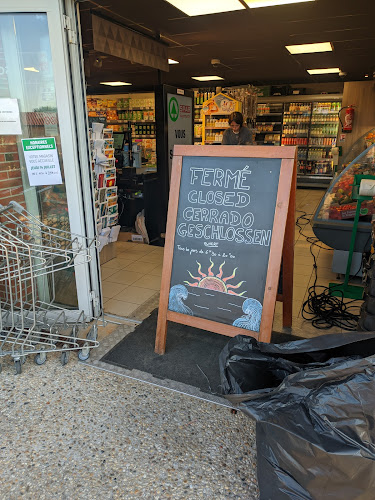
(40, 358)
(17, 366)
(84, 353)
(64, 358)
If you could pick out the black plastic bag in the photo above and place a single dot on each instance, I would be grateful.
(314, 404)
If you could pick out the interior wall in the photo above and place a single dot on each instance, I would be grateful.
(362, 96)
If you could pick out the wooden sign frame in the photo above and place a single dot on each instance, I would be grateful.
(281, 247)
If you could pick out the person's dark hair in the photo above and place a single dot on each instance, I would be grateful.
(236, 117)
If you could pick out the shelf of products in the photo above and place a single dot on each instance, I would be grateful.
(215, 114)
(312, 126)
(200, 96)
(130, 110)
(269, 123)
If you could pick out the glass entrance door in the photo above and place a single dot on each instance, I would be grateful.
(36, 108)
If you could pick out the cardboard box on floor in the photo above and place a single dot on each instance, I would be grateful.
(108, 253)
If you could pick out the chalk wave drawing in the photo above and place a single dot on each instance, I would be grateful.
(177, 294)
(216, 282)
(253, 314)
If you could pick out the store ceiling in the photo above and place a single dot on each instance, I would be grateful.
(249, 43)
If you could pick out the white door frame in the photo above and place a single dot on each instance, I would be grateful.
(71, 107)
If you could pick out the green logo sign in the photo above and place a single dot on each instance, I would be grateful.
(173, 109)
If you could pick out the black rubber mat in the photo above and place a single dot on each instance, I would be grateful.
(191, 357)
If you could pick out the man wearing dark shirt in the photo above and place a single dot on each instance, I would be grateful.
(237, 134)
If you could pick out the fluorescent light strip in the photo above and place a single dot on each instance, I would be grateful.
(172, 61)
(310, 48)
(254, 4)
(323, 71)
(115, 84)
(207, 78)
(34, 70)
(203, 7)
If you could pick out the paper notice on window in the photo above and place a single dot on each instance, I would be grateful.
(42, 161)
(10, 123)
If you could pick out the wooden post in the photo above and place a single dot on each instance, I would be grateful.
(161, 329)
(288, 254)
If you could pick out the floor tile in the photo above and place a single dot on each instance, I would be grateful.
(303, 270)
(116, 264)
(132, 247)
(106, 272)
(135, 295)
(148, 281)
(119, 307)
(125, 277)
(112, 289)
(157, 258)
(142, 267)
(157, 271)
(125, 257)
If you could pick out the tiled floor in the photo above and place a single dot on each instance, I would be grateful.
(134, 276)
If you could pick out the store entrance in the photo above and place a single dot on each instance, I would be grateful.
(132, 135)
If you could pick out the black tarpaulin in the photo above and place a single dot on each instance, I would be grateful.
(314, 404)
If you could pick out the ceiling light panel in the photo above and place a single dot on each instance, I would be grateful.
(207, 78)
(202, 7)
(323, 71)
(34, 70)
(254, 4)
(115, 84)
(310, 48)
(172, 61)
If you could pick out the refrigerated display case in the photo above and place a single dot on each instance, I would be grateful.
(333, 220)
(215, 113)
(313, 127)
(268, 124)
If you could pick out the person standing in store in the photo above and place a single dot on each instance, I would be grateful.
(237, 134)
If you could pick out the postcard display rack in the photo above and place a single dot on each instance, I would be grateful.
(312, 126)
(215, 113)
(104, 183)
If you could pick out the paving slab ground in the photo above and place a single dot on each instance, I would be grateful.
(76, 432)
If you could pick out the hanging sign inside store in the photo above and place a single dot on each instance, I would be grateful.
(230, 221)
(180, 122)
(10, 123)
(42, 161)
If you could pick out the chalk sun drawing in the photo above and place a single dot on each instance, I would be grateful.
(252, 317)
(215, 282)
(177, 295)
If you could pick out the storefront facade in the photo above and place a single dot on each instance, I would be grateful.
(42, 86)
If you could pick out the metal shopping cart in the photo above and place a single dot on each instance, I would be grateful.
(31, 253)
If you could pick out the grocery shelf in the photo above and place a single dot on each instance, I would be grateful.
(323, 136)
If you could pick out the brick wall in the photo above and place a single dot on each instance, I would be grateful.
(11, 187)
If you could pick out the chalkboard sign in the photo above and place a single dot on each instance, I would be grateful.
(228, 211)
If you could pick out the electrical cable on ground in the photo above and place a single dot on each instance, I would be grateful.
(321, 308)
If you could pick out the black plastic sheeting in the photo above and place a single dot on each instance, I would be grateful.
(314, 405)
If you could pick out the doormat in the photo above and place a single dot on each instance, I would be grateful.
(191, 359)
